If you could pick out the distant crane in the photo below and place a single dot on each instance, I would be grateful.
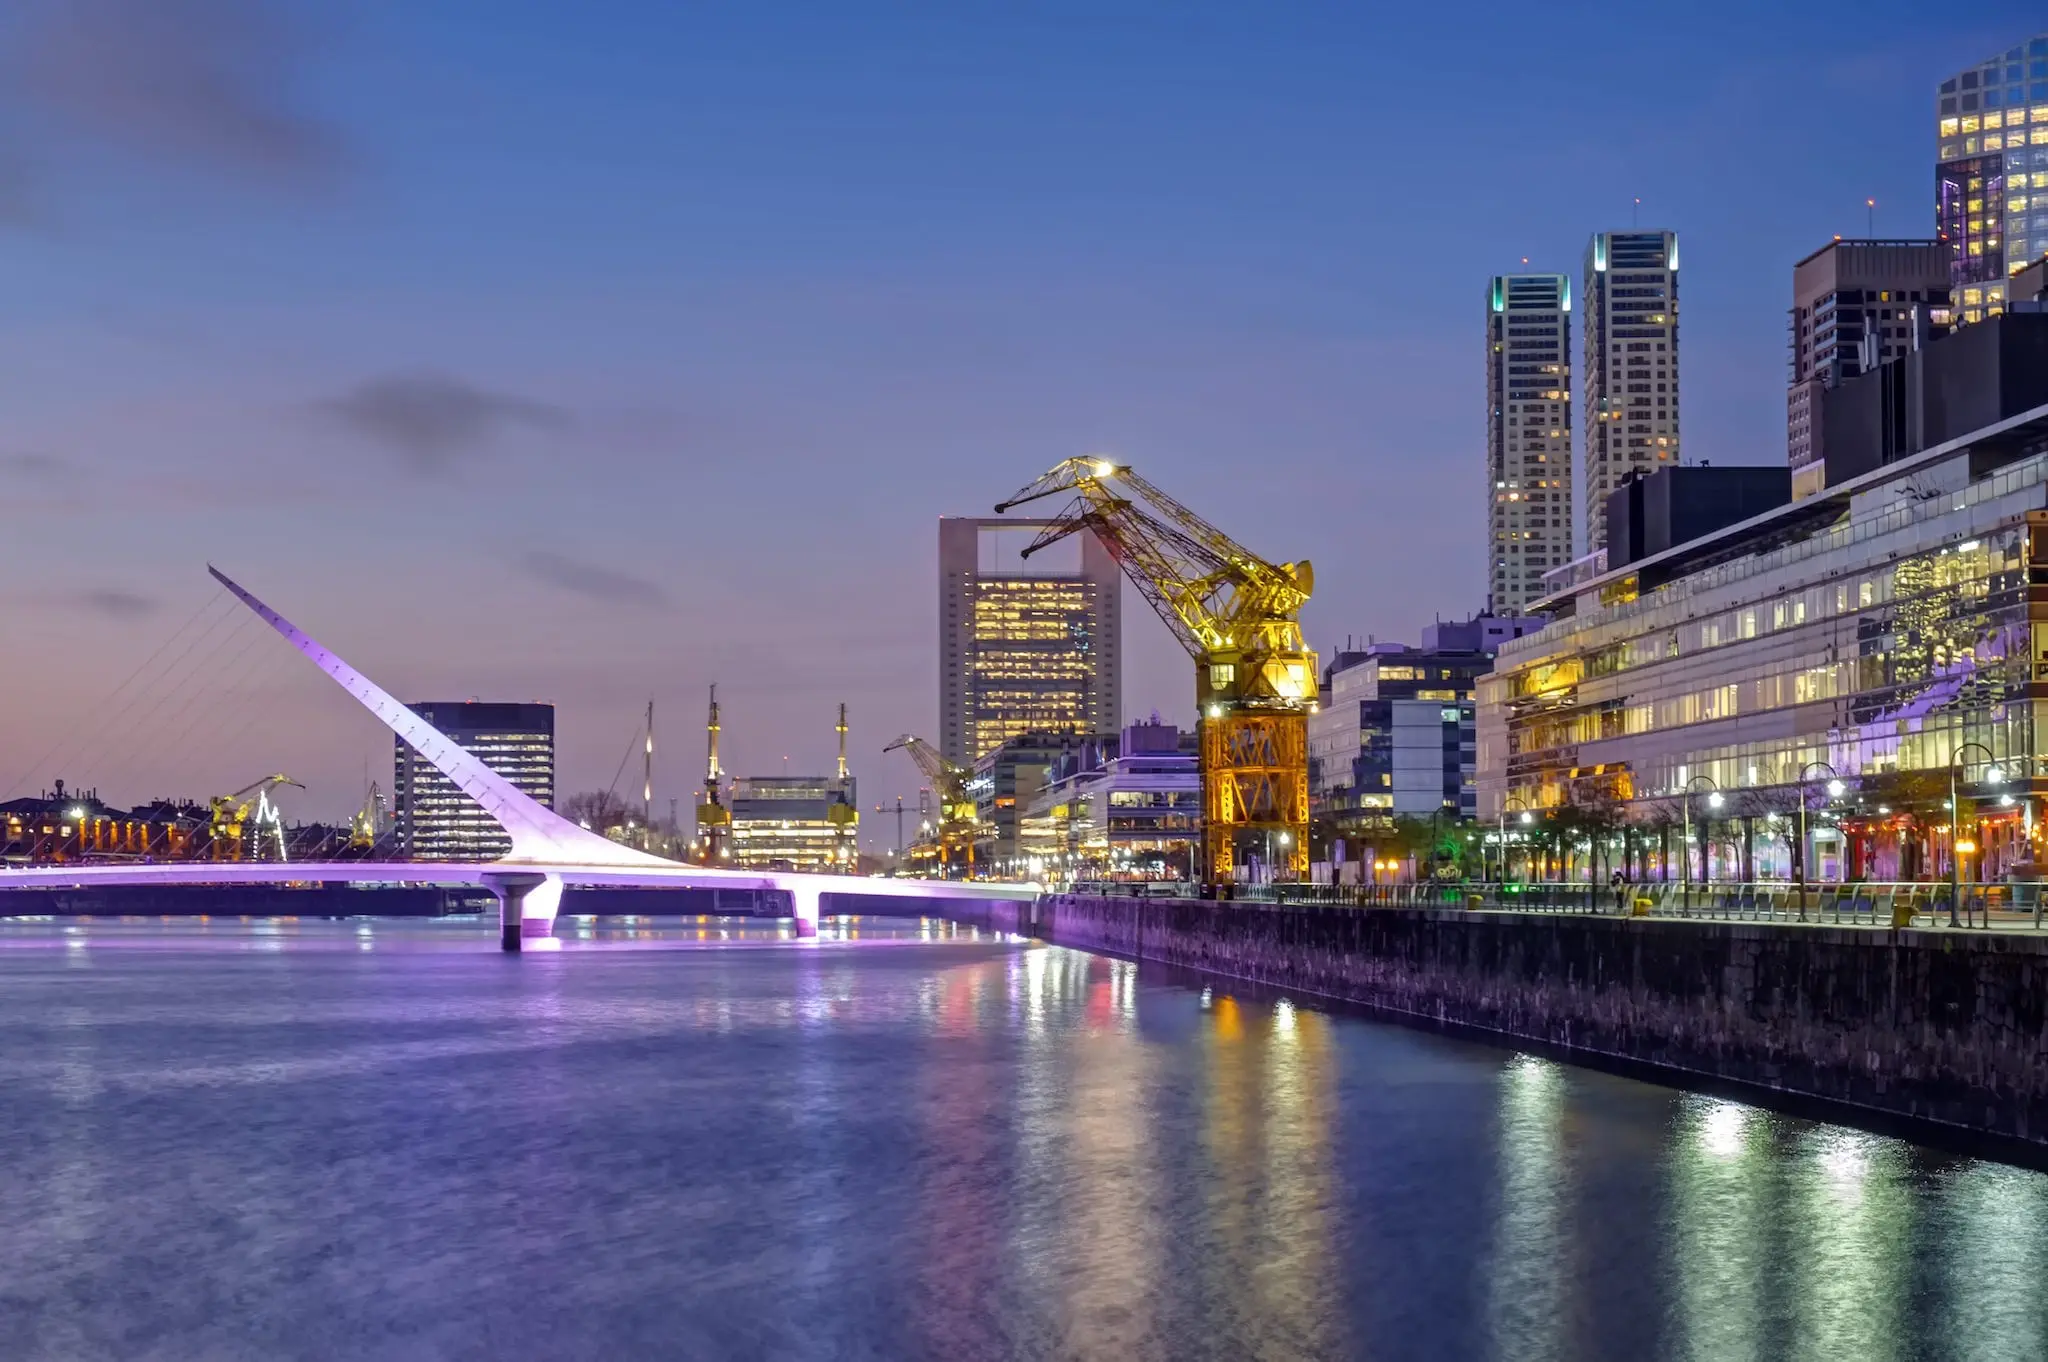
(1239, 617)
(958, 819)
(246, 825)
(841, 813)
(714, 820)
(368, 823)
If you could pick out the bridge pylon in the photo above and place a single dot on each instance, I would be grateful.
(527, 904)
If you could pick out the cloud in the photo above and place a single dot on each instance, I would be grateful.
(31, 465)
(591, 581)
(430, 420)
(214, 81)
(119, 605)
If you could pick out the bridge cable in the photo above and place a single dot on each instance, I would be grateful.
(111, 738)
(177, 736)
(85, 716)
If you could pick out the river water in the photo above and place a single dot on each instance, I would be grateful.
(278, 1140)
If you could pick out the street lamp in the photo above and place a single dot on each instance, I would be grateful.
(1685, 801)
(1527, 817)
(1956, 841)
(1834, 788)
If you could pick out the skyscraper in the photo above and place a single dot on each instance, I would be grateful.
(1630, 303)
(1528, 435)
(1991, 173)
(432, 819)
(1852, 306)
(1025, 645)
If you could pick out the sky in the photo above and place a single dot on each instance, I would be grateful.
(596, 353)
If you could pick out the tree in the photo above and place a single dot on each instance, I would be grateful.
(599, 810)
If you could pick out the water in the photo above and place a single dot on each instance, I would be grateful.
(358, 1140)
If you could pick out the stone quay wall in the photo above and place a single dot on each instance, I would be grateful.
(1942, 1027)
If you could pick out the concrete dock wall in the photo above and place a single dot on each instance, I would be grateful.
(1943, 1027)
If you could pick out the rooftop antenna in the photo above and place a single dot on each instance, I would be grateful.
(1635, 214)
(1870, 210)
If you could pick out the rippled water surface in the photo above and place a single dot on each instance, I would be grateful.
(386, 1140)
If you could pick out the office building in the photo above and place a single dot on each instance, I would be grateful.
(1393, 735)
(1991, 174)
(1003, 784)
(1630, 409)
(1025, 645)
(1122, 807)
(1528, 435)
(1863, 635)
(1852, 310)
(805, 823)
(432, 819)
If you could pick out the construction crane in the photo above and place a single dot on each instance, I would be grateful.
(1239, 617)
(368, 823)
(841, 812)
(714, 820)
(958, 821)
(245, 825)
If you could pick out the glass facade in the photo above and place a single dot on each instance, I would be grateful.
(432, 819)
(1875, 641)
(1026, 646)
(1991, 173)
(793, 823)
(1395, 735)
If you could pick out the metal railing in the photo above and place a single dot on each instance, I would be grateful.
(1919, 903)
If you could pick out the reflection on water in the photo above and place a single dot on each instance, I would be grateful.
(696, 1138)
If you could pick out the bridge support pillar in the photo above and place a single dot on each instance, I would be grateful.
(526, 905)
(803, 905)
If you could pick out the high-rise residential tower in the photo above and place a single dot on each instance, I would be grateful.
(1528, 435)
(1991, 173)
(1025, 645)
(432, 818)
(1630, 407)
(1852, 310)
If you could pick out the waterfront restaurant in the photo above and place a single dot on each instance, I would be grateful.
(1847, 654)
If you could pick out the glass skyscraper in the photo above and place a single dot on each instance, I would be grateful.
(1991, 175)
(1528, 436)
(432, 818)
(1631, 370)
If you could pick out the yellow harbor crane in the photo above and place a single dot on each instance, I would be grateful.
(234, 814)
(1239, 617)
(714, 820)
(958, 823)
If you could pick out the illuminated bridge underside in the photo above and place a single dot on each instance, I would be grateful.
(548, 851)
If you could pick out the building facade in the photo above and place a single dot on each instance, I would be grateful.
(1394, 735)
(1630, 406)
(1991, 174)
(432, 819)
(1025, 645)
(1528, 435)
(1003, 785)
(1852, 306)
(1127, 807)
(1871, 635)
(805, 823)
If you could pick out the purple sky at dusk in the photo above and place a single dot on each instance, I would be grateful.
(594, 352)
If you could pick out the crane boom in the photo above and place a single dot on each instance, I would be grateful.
(1238, 615)
(959, 820)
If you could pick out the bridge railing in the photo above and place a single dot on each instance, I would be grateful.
(1868, 904)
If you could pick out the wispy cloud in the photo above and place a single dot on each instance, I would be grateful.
(117, 604)
(431, 420)
(217, 82)
(595, 583)
(32, 465)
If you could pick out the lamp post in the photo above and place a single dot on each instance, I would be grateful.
(1527, 817)
(1685, 800)
(1956, 841)
(1834, 788)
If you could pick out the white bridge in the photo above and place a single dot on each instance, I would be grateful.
(548, 854)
